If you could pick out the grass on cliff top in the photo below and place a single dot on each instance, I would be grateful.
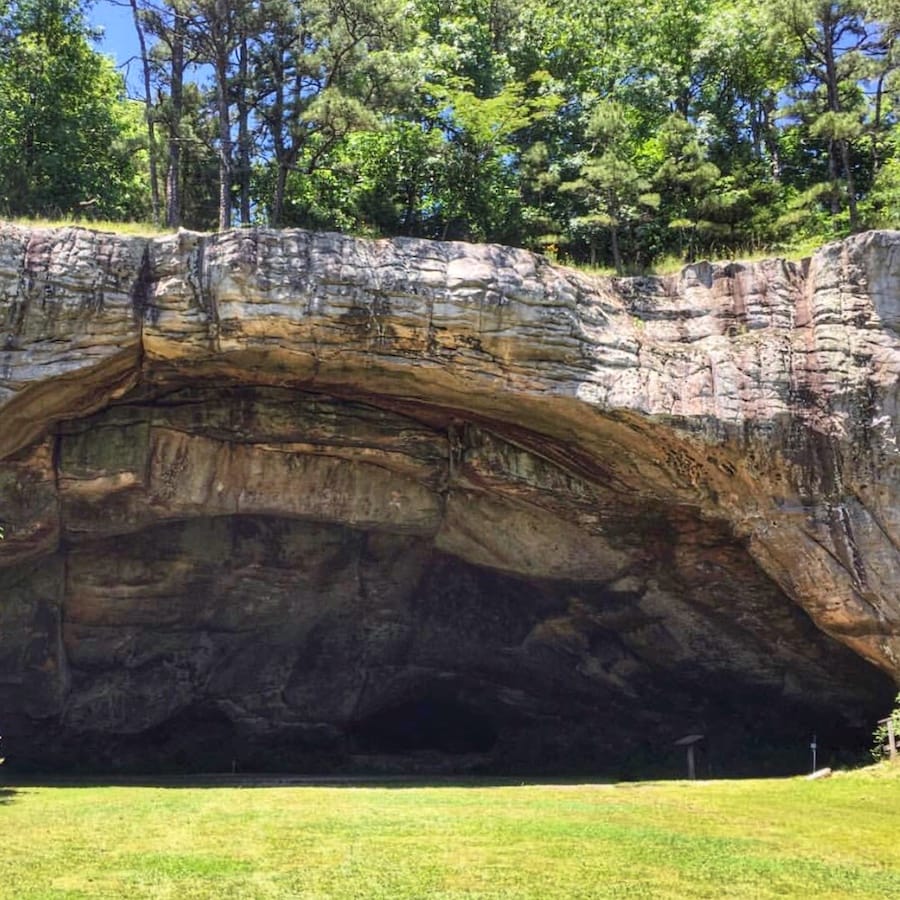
(673, 264)
(142, 229)
(786, 838)
(668, 265)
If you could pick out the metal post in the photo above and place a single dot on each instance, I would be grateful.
(692, 770)
(813, 746)
(892, 739)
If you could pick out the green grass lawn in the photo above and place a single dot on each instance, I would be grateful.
(784, 838)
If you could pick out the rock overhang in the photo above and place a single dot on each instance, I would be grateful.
(691, 481)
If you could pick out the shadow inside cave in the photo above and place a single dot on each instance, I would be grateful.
(409, 770)
(242, 781)
(425, 723)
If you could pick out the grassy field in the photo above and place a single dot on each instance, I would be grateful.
(791, 837)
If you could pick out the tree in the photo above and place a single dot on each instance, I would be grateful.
(477, 189)
(610, 183)
(685, 179)
(741, 75)
(531, 122)
(392, 178)
(215, 29)
(148, 111)
(167, 63)
(322, 71)
(834, 39)
(69, 139)
(542, 212)
(882, 206)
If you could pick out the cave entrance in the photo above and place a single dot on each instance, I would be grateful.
(425, 723)
(196, 739)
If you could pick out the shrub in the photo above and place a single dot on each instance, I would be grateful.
(880, 734)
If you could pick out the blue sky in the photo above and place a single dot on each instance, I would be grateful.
(119, 40)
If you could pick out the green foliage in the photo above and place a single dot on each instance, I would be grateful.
(607, 132)
(69, 141)
(610, 187)
(881, 208)
(880, 734)
(354, 64)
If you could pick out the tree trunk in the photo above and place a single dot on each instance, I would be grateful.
(243, 132)
(614, 243)
(278, 143)
(173, 172)
(225, 164)
(851, 185)
(876, 121)
(278, 198)
(833, 176)
(834, 106)
(770, 137)
(148, 114)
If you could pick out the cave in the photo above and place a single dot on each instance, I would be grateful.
(427, 722)
(290, 502)
(475, 625)
(196, 739)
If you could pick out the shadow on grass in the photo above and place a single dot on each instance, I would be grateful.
(7, 795)
(243, 781)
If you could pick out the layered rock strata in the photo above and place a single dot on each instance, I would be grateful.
(294, 499)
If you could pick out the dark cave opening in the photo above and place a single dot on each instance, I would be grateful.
(198, 738)
(425, 723)
(459, 667)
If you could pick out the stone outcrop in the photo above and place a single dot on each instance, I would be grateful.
(293, 499)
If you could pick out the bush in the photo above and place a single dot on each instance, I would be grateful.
(880, 734)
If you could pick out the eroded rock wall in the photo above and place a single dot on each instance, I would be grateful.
(300, 499)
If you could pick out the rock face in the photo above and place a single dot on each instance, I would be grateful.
(299, 500)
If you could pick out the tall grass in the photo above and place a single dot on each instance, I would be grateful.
(143, 229)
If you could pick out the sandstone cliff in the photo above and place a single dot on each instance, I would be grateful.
(301, 499)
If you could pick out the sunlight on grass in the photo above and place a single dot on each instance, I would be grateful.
(142, 229)
(673, 264)
(668, 265)
(788, 837)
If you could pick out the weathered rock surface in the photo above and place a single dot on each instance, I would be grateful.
(303, 500)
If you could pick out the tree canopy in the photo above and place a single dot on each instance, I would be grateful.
(602, 131)
(69, 141)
